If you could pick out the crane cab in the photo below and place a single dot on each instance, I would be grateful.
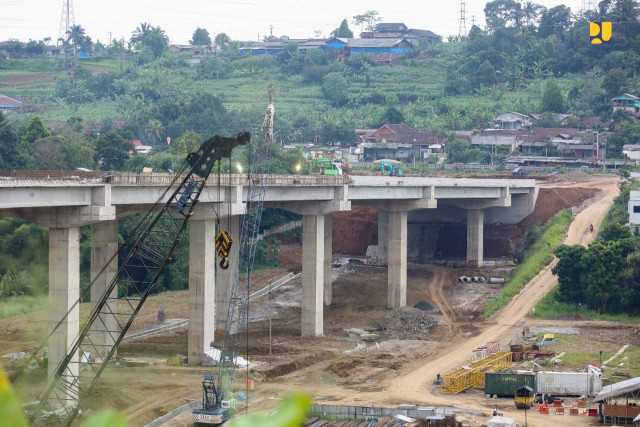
(214, 411)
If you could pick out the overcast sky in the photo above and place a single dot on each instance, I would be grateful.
(240, 19)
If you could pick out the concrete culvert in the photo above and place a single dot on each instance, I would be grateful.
(496, 280)
(466, 279)
(474, 279)
(461, 279)
(481, 279)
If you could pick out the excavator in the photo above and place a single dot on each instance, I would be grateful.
(389, 169)
(152, 244)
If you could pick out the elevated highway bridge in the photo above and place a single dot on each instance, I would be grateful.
(64, 202)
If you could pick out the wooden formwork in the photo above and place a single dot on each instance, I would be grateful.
(473, 375)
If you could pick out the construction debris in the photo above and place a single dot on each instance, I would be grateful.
(360, 334)
(212, 357)
(405, 323)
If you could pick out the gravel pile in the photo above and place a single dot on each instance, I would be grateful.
(405, 323)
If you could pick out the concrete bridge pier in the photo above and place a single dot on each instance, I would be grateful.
(202, 278)
(104, 244)
(328, 258)
(64, 291)
(313, 270)
(475, 236)
(397, 269)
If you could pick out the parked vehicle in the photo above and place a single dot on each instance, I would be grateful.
(518, 171)
(524, 397)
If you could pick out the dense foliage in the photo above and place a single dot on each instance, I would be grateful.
(606, 275)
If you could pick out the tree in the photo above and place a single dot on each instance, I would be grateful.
(500, 14)
(627, 132)
(571, 286)
(334, 88)
(140, 33)
(486, 74)
(200, 37)
(48, 154)
(188, 142)
(112, 150)
(157, 42)
(14, 47)
(76, 36)
(35, 130)
(614, 82)
(343, 30)
(12, 154)
(155, 130)
(552, 99)
(391, 116)
(615, 232)
(556, 20)
(531, 11)
(603, 264)
(34, 48)
(222, 41)
(370, 18)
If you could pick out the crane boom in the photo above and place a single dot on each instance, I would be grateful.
(217, 390)
(152, 249)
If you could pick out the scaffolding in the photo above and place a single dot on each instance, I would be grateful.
(473, 374)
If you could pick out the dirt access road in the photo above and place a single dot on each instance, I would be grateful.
(415, 383)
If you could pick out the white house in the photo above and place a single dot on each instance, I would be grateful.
(634, 208)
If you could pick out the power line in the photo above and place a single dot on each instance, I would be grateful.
(67, 19)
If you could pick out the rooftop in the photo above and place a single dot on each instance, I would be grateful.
(619, 389)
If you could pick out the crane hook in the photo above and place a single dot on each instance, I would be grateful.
(224, 263)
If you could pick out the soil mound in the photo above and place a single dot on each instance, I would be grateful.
(425, 306)
(552, 200)
(405, 323)
(354, 230)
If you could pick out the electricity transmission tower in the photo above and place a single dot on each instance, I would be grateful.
(67, 19)
(462, 28)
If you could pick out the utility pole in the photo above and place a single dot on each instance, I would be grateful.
(473, 20)
(67, 20)
(110, 32)
(462, 28)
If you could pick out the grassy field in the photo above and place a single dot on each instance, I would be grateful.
(417, 87)
(549, 308)
(539, 254)
(580, 351)
(16, 306)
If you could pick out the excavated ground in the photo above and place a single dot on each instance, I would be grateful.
(333, 368)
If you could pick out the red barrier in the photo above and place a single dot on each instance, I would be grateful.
(557, 404)
(544, 410)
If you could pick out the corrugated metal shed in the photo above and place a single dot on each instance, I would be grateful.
(619, 389)
(374, 43)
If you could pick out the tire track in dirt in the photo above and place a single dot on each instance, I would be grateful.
(415, 384)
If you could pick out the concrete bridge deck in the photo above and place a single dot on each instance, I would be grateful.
(64, 203)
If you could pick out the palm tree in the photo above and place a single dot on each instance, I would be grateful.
(531, 11)
(76, 36)
(141, 32)
(155, 130)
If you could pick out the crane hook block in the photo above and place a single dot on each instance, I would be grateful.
(224, 263)
(223, 246)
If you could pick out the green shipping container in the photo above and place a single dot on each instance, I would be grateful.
(506, 383)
